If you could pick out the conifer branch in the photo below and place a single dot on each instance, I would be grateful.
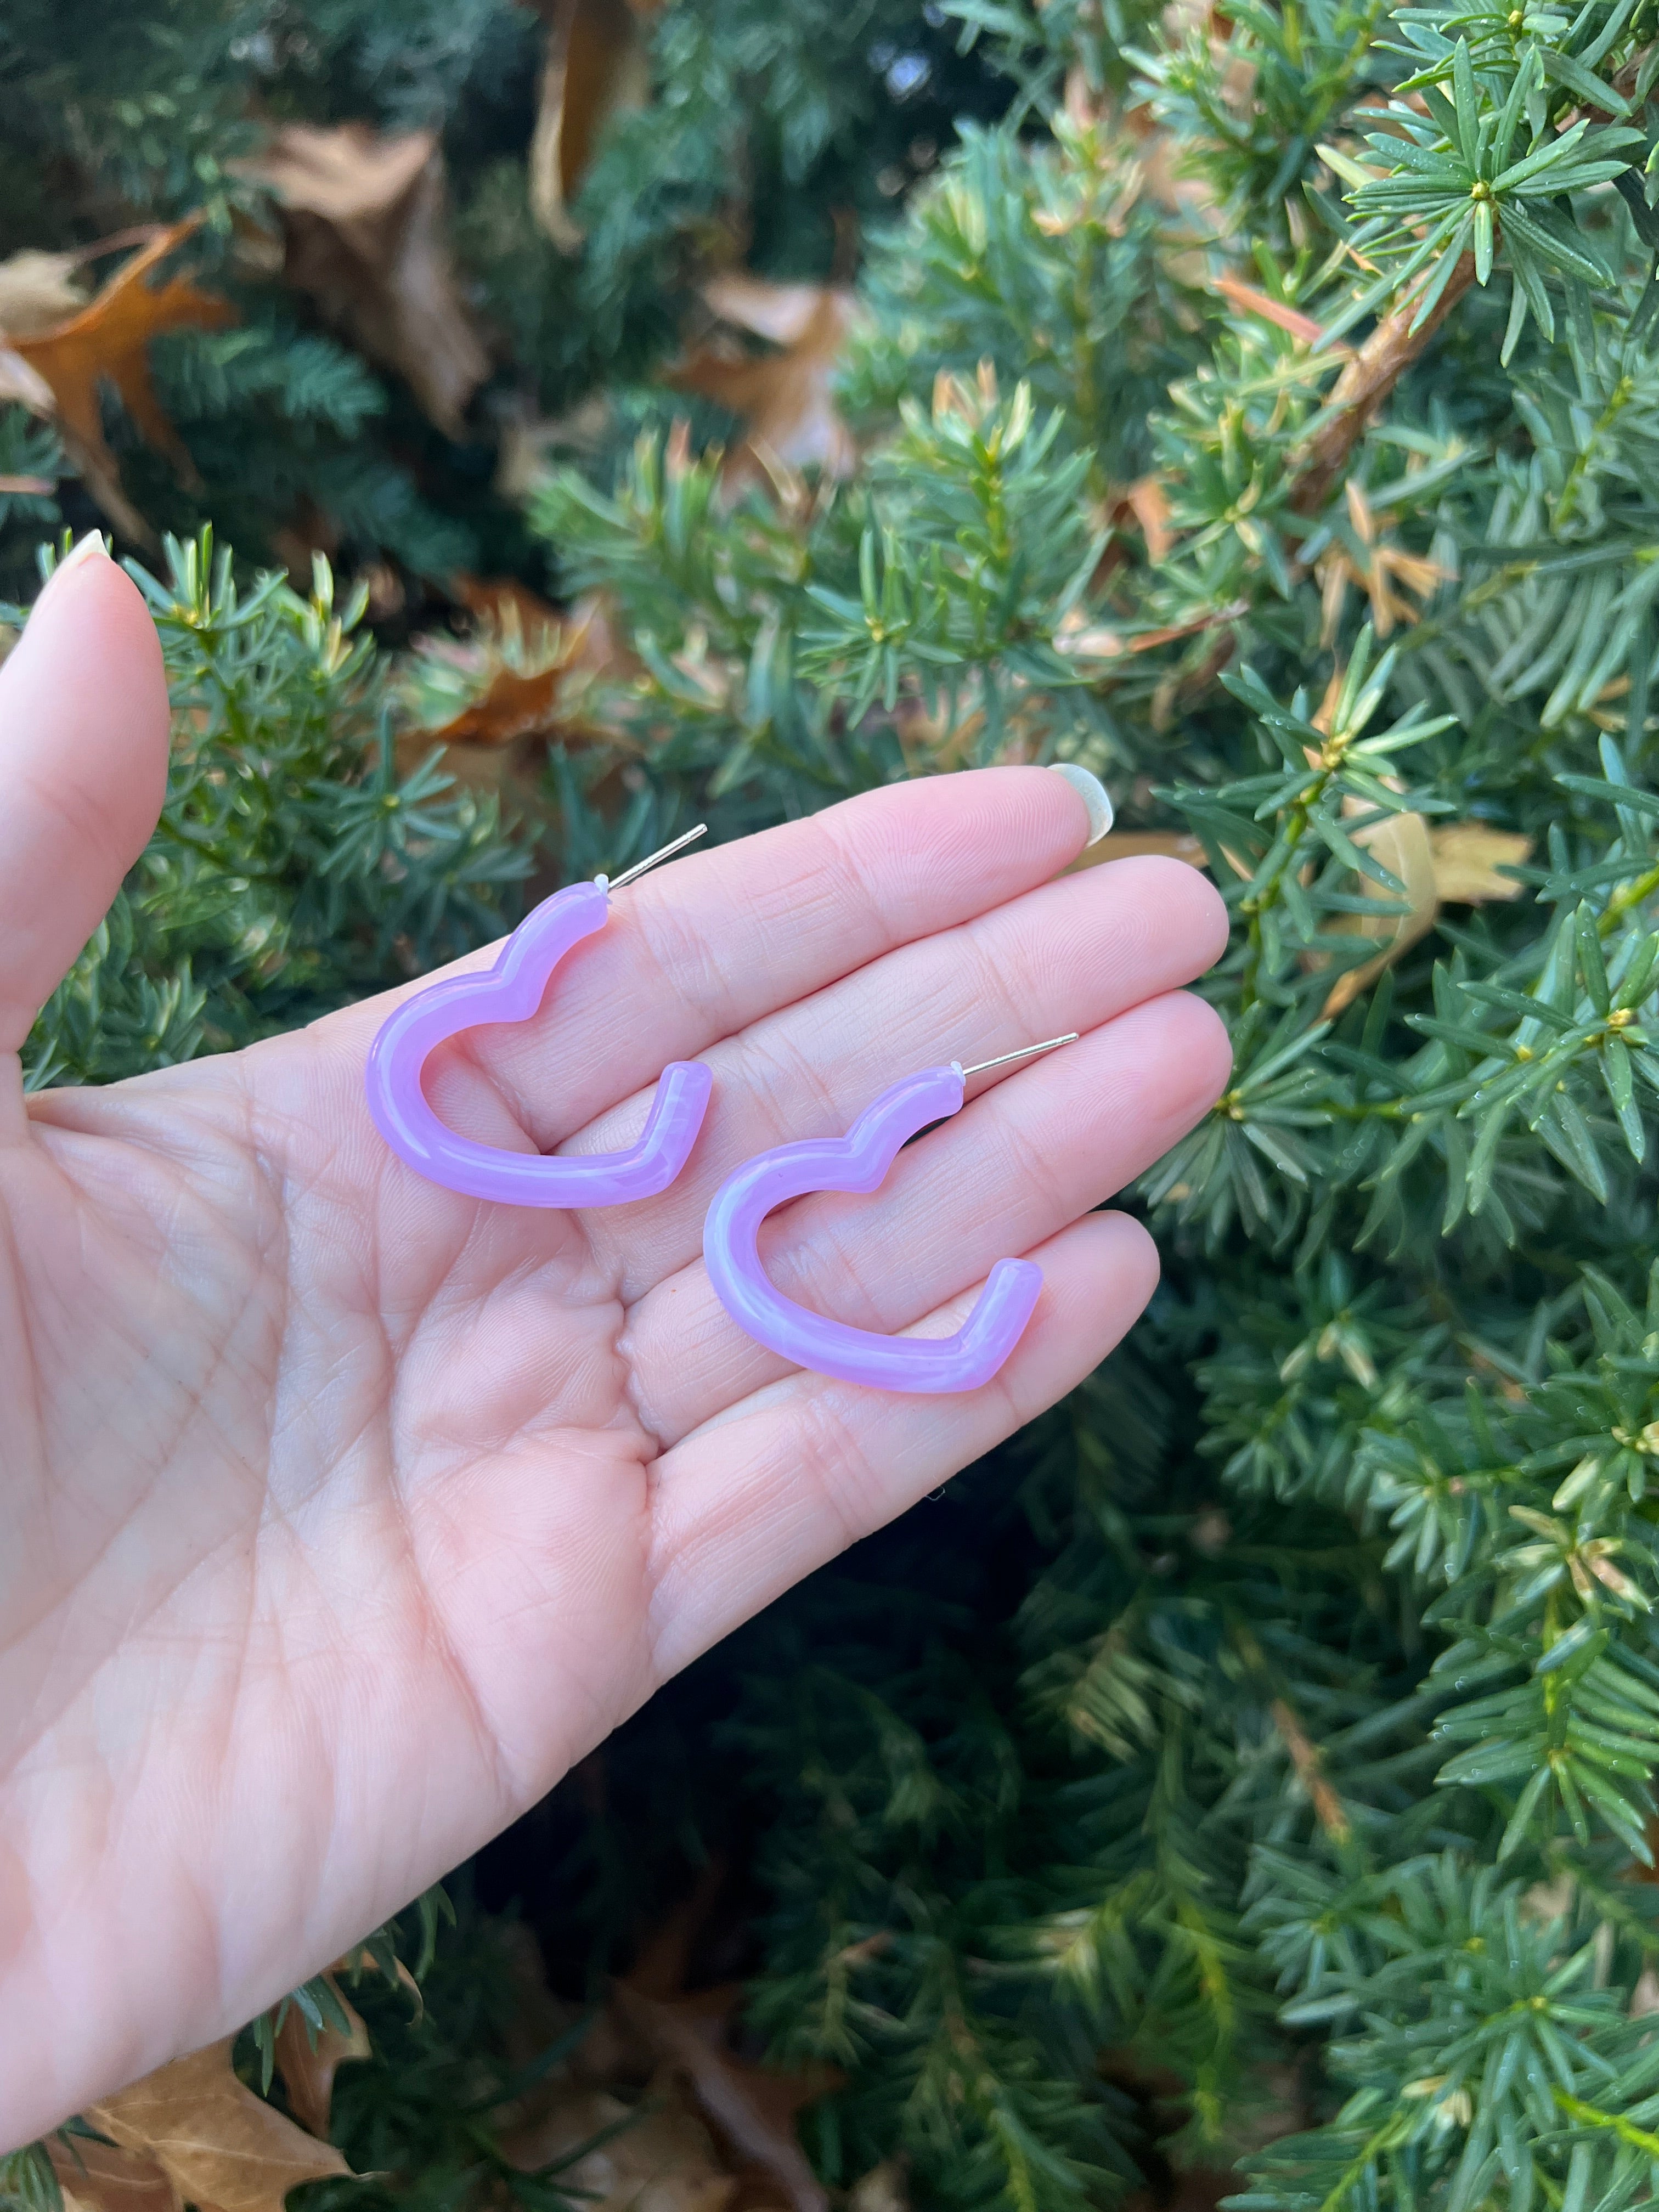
(1365, 385)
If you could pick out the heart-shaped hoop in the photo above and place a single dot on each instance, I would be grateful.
(859, 1161)
(511, 990)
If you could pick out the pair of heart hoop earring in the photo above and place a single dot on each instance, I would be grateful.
(511, 990)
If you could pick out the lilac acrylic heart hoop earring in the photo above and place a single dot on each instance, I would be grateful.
(859, 1161)
(511, 990)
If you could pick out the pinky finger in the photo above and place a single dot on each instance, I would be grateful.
(750, 1502)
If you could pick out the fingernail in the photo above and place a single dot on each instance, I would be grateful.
(1090, 790)
(91, 547)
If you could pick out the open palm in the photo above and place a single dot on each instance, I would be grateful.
(341, 1513)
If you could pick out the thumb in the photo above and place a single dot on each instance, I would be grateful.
(83, 770)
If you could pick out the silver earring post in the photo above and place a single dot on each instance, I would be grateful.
(631, 875)
(1007, 1059)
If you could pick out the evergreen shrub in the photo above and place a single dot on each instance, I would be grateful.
(1252, 1766)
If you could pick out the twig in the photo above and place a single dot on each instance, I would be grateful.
(1364, 384)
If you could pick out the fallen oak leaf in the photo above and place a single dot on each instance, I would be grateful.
(1469, 857)
(223, 2149)
(1454, 864)
(99, 2178)
(37, 291)
(663, 1967)
(502, 599)
(505, 606)
(1400, 843)
(524, 674)
(781, 312)
(514, 706)
(598, 63)
(107, 340)
(23, 386)
(656, 2156)
(881, 2190)
(307, 2058)
(783, 398)
(752, 2107)
(363, 221)
(364, 1960)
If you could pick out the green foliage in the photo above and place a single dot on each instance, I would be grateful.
(1253, 143)
(1063, 229)
(295, 866)
(1316, 1722)
(318, 2002)
(31, 464)
(1493, 2055)
(27, 2183)
(789, 126)
(422, 2119)
(1263, 412)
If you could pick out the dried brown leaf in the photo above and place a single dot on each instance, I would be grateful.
(37, 291)
(1468, 856)
(527, 674)
(753, 2107)
(365, 236)
(664, 2159)
(598, 63)
(513, 706)
(782, 397)
(1455, 863)
(24, 385)
(308, 2069)
(1150, 504)
(881, 2190)
(108, 342)
(785, 314)
(1401, 842)
(100, 2178)
(504, 601)
(223, 2149)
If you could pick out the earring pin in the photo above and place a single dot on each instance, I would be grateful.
(1007, 1059)
(665, 853)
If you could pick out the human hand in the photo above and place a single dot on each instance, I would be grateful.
(343, 1514)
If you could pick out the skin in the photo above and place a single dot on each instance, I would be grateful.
(342, 1514)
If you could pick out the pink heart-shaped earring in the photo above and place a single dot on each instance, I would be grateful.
(859, 1161)
(511, 990)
